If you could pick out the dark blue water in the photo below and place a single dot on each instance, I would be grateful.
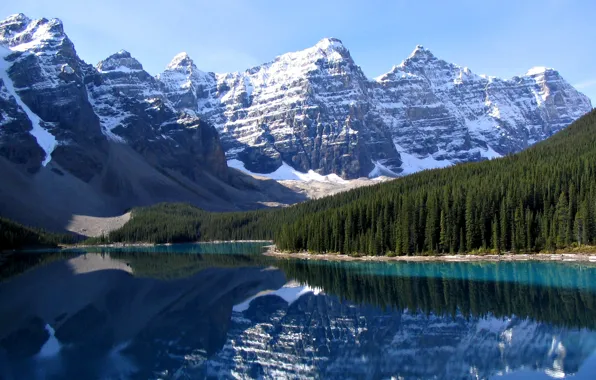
(226, 311)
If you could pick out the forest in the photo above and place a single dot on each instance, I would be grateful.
(541, 199)
(16, 236)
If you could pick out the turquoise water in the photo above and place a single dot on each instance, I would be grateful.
(574, 275)
(226, 311)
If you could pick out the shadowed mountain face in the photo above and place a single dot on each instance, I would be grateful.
(84, 140)
(226, 315)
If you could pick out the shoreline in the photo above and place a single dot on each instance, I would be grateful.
(558, 257)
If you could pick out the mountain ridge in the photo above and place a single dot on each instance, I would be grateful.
(315, 109)
(423, 113)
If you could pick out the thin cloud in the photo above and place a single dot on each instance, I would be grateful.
(586, 84)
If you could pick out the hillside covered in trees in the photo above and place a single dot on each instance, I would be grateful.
(541, 199)
(16, 236)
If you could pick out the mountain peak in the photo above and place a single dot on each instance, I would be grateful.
(539, 70)
(330, 43)
(16, 18)
(180, 60)
(420, 52)
(121, 54)
(21, 33)
(120, 61)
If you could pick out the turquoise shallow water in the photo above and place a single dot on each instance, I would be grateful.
(226, 311)
(575, 275)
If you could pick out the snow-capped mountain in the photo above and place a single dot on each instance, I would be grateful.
(138, 139)
(75, 108)
(315, 110)
(79, 139)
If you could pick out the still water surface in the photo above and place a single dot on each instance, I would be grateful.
(226, 311)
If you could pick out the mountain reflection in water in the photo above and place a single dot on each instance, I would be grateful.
(140, 315)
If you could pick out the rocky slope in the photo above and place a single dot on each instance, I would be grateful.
(316, 110)
(82, 140)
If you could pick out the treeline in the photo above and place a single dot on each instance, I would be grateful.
(181, 223)
(16, 236)
(541, 199)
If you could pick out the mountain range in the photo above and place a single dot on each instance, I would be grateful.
(97, 140)
(316, 110)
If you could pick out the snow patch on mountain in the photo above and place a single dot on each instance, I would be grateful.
(381, 170)
(412, 164)
(52, 346)
(287, 173)
(44, 138)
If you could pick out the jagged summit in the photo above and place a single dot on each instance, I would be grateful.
(16, 18)
(120, 61)
(419, 56)
(419, 50)
(330, 43)
(332, 48)
(540, 70)
(21, 33)
(180, 60)
(329, 48)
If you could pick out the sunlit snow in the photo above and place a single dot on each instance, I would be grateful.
(286, 172)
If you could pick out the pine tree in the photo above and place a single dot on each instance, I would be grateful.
(562, 218)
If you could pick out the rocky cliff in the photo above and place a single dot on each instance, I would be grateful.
(315, 110)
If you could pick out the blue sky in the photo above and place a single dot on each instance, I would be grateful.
(501, 38)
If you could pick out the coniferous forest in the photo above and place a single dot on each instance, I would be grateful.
(538, 200)
(16, 236)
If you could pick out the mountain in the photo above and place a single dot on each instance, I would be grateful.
(316, 110)
(82, 140)
(542, 199)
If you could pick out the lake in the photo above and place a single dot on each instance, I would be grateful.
(226, 311)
